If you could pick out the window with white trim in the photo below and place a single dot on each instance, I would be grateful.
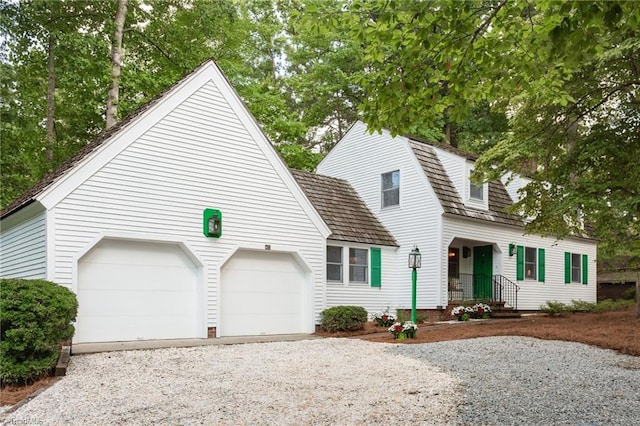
(358, 265)
(530, 263)
(576, 268)
(391, 188)
(475, 192)
(334, 263)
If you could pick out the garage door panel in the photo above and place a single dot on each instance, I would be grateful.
(134, 302)
(262, 293)
(134, 290)
(107, 329)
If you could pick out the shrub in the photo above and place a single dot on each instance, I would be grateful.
(554, 308)
(629, 293)
(343, 318)
(581, 306)
(613, 305)
(36, 318)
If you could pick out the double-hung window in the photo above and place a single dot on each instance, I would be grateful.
(530, 263)
(576, 268)
(391, 189)
(475, 192)
(358, 265)
(334, 263)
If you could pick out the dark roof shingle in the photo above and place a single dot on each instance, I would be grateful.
(451, 201)
(342, 209)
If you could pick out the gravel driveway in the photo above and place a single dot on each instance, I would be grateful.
(492, 381)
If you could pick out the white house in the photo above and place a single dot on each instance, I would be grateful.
(471, 248)
(125, 225)
(183, 222)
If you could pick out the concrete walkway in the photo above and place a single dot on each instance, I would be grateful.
(90, 348)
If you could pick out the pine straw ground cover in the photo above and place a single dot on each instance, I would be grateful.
(617, 330)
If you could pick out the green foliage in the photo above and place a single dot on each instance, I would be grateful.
(630, 293)
(36, 318)
(582, 306)
(565, 73)
(613, 305)
(343, 318)
(559, 308)
(554, 308)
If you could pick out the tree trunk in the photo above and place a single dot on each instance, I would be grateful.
(51, 88)
(116, 63)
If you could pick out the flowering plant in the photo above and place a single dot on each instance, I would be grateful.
(384, 319)
(405, 330)
(481, 310)
(463, 313)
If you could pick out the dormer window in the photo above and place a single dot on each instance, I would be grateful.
(391, 189)
(476, 192)
(477, 195)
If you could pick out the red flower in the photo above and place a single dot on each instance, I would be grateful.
(384, 317)
(397, 327)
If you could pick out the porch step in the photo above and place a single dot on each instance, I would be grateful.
(506, 314)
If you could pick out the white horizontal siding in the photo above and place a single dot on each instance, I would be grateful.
(532, 293)
(361, 158)
(373, 299)
(513, 184)
(198, 156)
(23, 249)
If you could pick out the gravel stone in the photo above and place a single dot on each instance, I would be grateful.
(527, 381)
(327, 381)
(484, 381)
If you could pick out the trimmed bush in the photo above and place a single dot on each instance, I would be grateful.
(35, 318)
(554, 308)
(343, 318)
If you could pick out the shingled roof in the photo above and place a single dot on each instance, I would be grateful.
(29, 196)
(446, 192)
(342, 209)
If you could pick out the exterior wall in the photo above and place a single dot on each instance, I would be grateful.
(373, 299)
(23, 249)
(532, 293)
(201, 154)
(514, 185)
(361, 159)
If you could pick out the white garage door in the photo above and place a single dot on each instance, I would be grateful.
(130, 290)
(262, 293)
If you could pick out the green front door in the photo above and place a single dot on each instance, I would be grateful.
(482, 272)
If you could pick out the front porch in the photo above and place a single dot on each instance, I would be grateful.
(490, 289)
(474, 273)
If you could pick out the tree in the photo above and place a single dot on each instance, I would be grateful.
(566, 74)
(116, 63)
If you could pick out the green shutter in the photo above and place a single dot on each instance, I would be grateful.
(376, 267)
(520, 263)
(585, 269)
(541, 267)
(567, 267)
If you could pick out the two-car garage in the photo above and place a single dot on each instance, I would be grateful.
(140, 290)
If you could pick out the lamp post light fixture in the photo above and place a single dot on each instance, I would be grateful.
(415, 262)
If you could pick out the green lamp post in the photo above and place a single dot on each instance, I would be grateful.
(415, 262)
